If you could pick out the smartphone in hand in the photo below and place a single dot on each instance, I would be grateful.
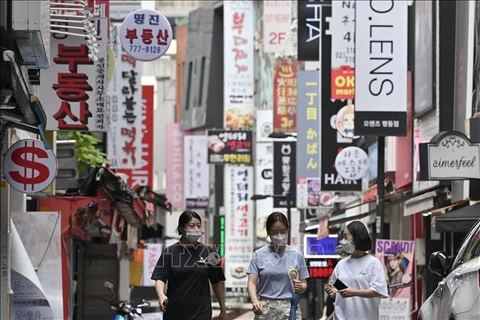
(339, 285)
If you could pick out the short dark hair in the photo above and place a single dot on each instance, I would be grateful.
(276, 217)
(361, 238)
(185, 218)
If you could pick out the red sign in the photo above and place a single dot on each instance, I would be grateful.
(343, 83)
(321, 269)
(285, 95)
(143, 176)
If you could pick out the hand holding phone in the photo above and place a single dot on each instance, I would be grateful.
(339, 285)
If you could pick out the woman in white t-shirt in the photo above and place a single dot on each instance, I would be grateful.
(362, 273)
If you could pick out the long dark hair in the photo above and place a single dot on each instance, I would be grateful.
(184, 219)
(276, 217)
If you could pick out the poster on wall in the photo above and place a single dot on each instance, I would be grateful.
(239, 224)
(238, 19)
(285, 95)
(196, 172)
(143, 176)
(230, 147)
(397, 256)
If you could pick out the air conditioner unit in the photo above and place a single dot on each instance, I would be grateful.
(31, 31)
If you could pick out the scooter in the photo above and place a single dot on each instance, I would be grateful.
(124, 310)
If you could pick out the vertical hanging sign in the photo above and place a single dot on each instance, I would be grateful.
(238, 64)
(342, 27)
(308, 138)
(381, 51)
(285, 95)
(174, 165)
(309, 28)
(277, 17)
(196, 173)
(284, 173)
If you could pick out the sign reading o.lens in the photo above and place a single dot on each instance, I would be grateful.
(146, 34)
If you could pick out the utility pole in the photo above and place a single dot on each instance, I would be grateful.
(381, 188)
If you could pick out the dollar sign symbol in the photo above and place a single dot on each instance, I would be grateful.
(20, 158)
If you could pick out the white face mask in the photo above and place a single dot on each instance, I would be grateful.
(278, 239)
(193, 235)
(347, 246)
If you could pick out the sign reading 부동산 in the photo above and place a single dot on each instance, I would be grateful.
(381, 67)
(449, 156)
(230, 146)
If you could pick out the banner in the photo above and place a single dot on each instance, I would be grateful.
(143, 176)
(398, 259)
(151, 254)
(309, 32)
(342, 28)
(230, 146)
(196, 172)
(285, 95)
(308, 138)
(238, 23)
(277, 19)
(174, 166)
(124, 112)
(332, 141)
(264, 125)
(72, 89)
(263, 185)
(239, 221)
(284, 173)
(381, 51)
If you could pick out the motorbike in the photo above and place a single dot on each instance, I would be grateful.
(124, 309)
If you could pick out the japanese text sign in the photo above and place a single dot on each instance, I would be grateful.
(174, 165)
(196, 172)
(238, 183)
(125, 112)
(230, 146)
(308, 140)
(342, 28)
(284, 173)
(352, 163)
(285, 95)
(72, 90)
(277, 18)
(146, 34)
(381, 67)
(238, 64)
(144, 175)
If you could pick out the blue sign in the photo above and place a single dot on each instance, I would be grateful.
(320, 248)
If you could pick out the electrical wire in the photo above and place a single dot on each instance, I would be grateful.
(48, 244)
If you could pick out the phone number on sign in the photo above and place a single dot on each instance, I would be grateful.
(137, 48)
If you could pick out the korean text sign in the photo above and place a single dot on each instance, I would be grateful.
(72, 90)
(284, 175)
(145, 34)
(230, 146)
(308, 140)
(277, 18)
(397, 256)
(342, 27)
(238, 182)
(381, 67)
(238, 64)
(285, 95)
(196, 173)
(174, 165)
(263, 185)
(125, 111)
(143, 176)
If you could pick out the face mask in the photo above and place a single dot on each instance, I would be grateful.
(278, 239)
(347, 246)
(193, 235)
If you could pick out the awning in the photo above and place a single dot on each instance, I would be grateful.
(459, 220)
(420, 203)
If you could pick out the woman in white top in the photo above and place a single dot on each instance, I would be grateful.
(363, 274)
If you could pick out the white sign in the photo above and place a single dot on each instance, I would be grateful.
(238, 64)
(124, 103)
(72, 90)
(453, 157)
(277, 20)
(146, 34)
(28, 167)
(342, 28)
(352, 163)
(196, 172)
(238, 227)
(119, 9)
(264, 186)
(150, 259)
(264, 125)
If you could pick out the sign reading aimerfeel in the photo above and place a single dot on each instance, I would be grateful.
(381, 67)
